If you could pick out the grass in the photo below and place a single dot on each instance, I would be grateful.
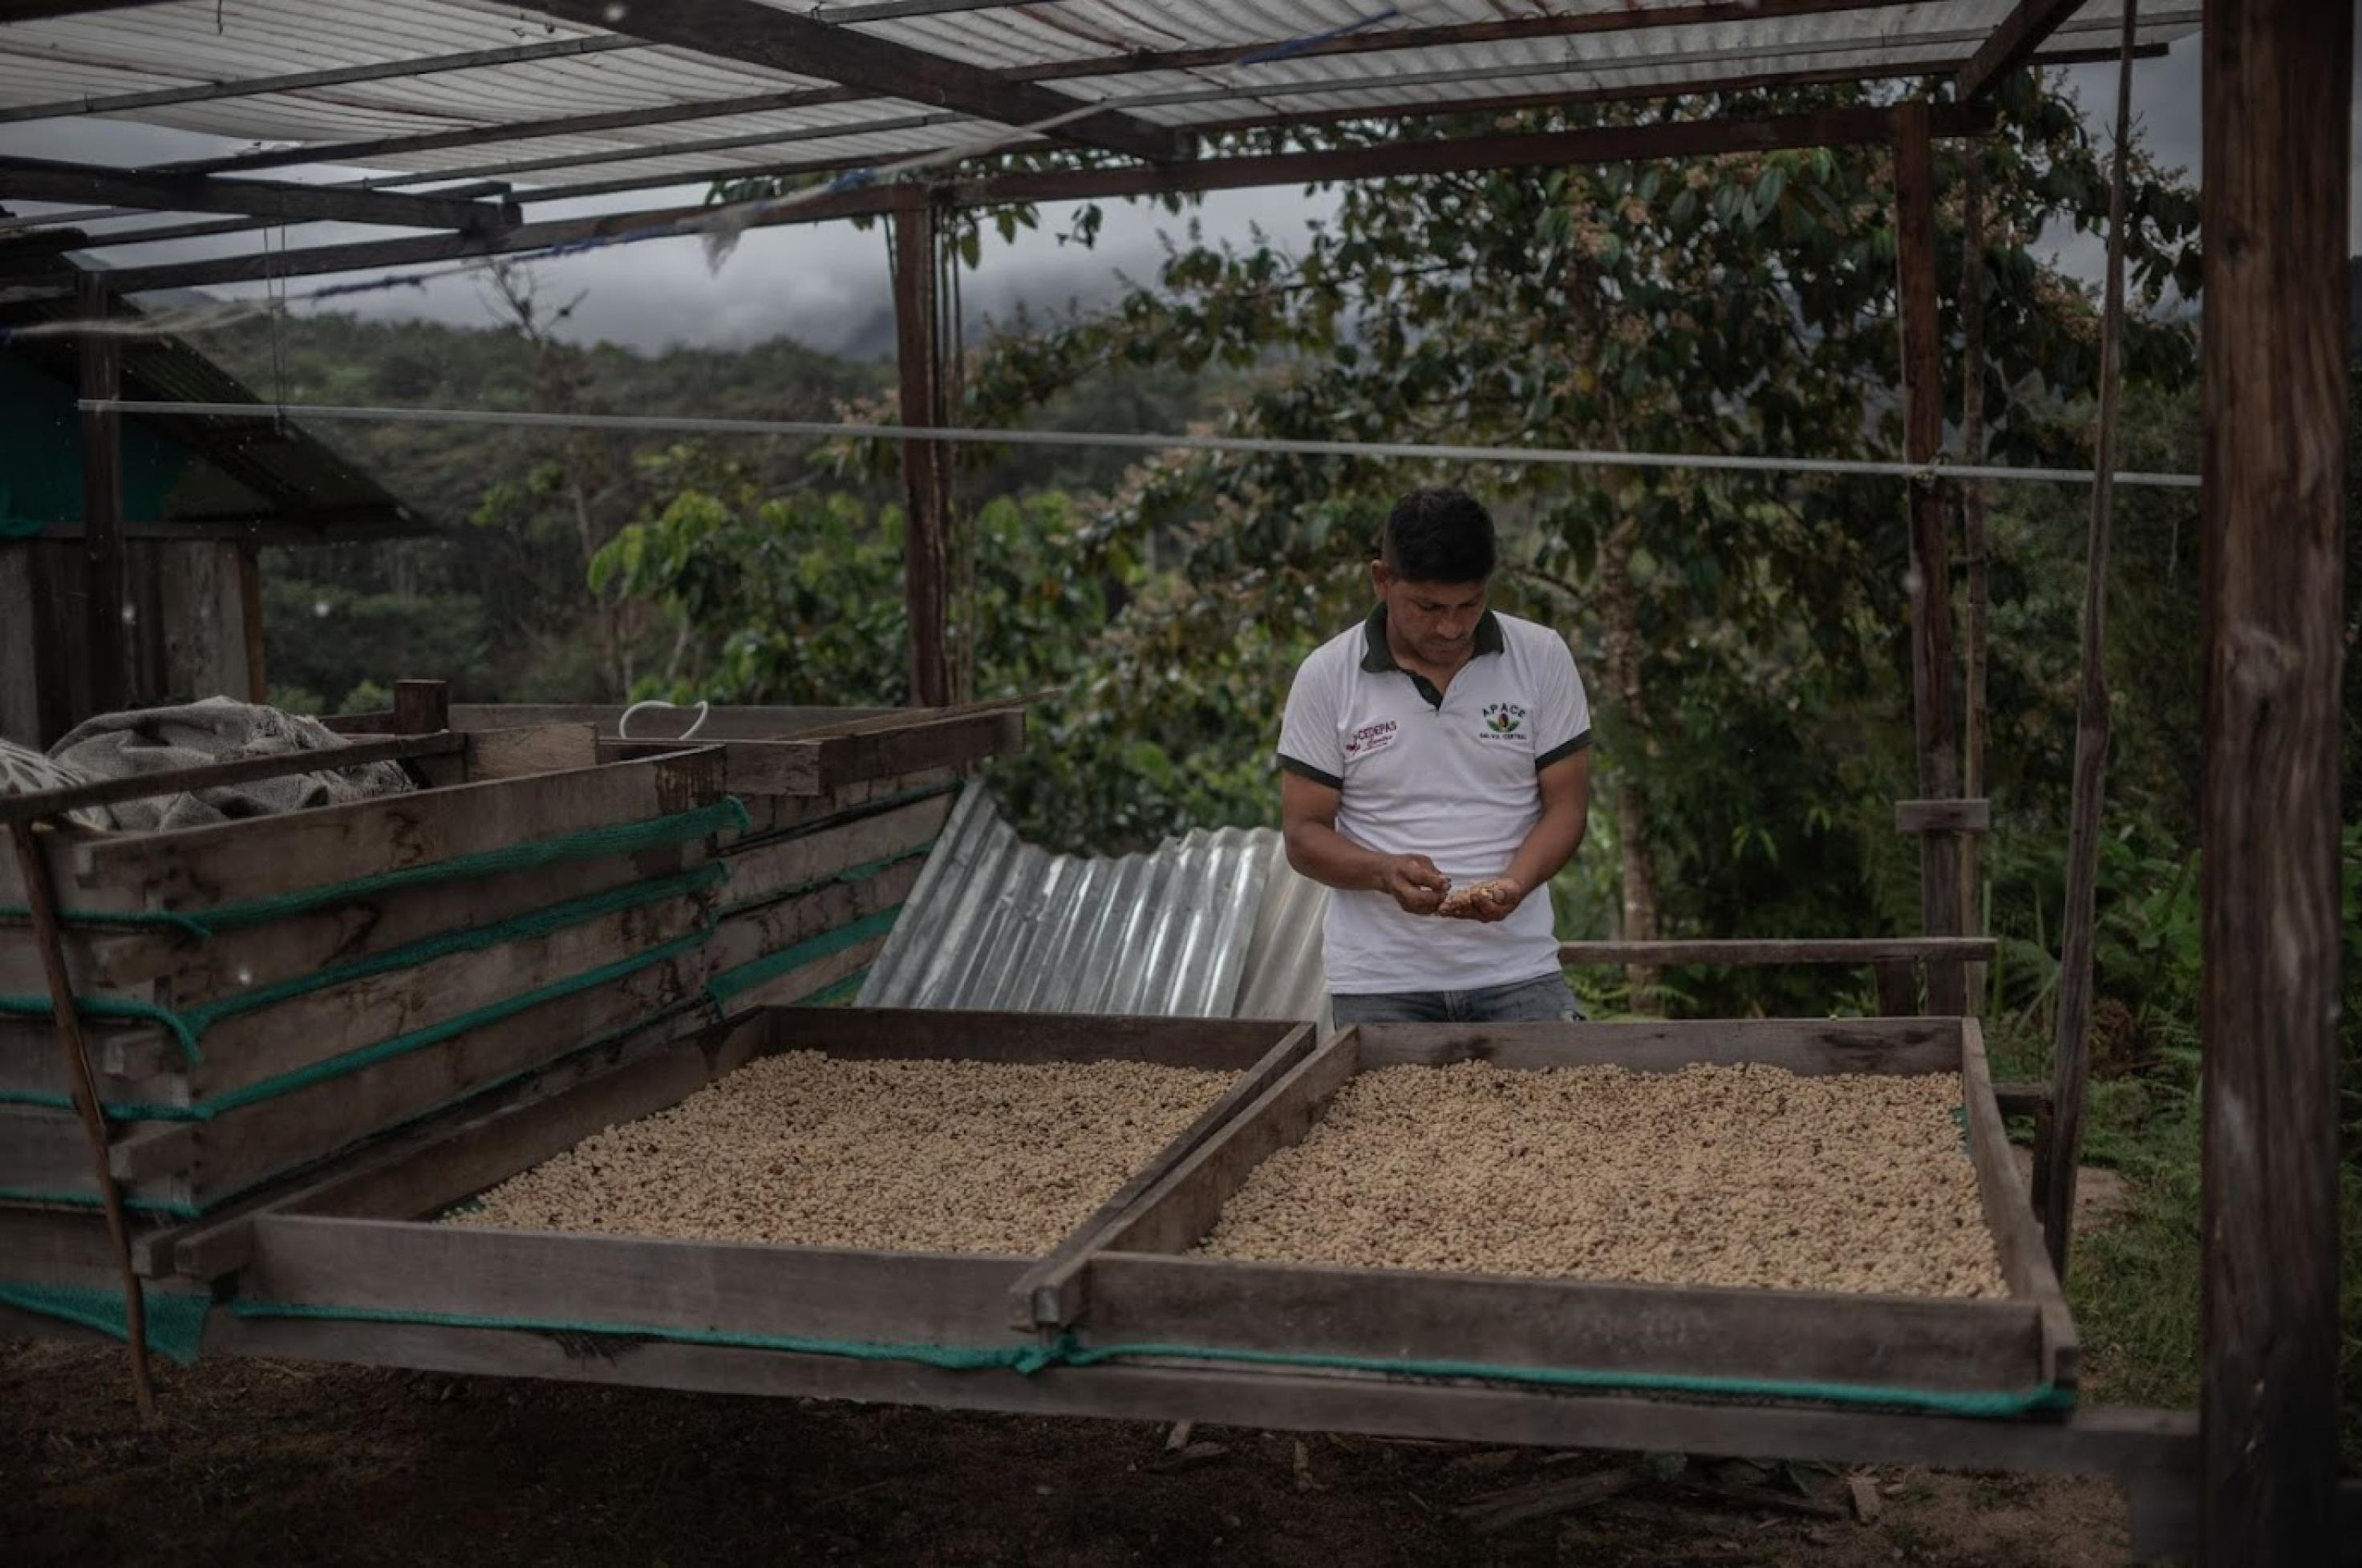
(2134, 1282)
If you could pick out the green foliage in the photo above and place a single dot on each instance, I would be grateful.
(336, 649)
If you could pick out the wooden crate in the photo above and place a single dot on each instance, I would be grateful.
(355, 1242)
(1138, 1285)
(794, 902)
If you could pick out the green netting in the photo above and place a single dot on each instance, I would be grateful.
(176, 1320)
(1993, 1403)
(729, 983)
(1069, 1352)
(588, 843)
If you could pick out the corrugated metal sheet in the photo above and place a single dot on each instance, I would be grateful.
(1211, 925)
(193, 41)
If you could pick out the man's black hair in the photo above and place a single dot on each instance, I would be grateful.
(1440, 536)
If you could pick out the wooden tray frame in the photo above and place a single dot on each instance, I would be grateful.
(356, 1239)
(1136, 1286)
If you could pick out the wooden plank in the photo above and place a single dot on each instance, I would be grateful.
(743, 938)
(1930, 581)
(249, 1047)
(774, 814)
(197, 971)
(2019, 1098)
(2009, 1216)
(47, 1151)
(467, 1147)
(2011, 44)
(150, 1149)
(1779, 950)
(918, 265)
(59, 1246)
(22, 653)
(2151, 1445)
(762, 870)
(202, 621)
(779, 41)
(799, 767)
(30, 1063)
(1810, 1046)
(1943, 816)
(1600, 1325)
(530, 749)
(99, 369)
(1050, 1295)
(37, 803)
(2277, 92)
(806, 980)
(806, 1292)
(1183, 1206)
(229, 862)
(273, 1136)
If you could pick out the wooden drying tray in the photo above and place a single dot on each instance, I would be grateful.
(1139, 1286)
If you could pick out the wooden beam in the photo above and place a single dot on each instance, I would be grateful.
(2011, 44)
(39, 803)
(2278, 79)
(1779, 950)
(1942, 816)
(99, 364)
(43, 180)
(1680, 138)
(760, 35)
(917, 266)
(1920, 326)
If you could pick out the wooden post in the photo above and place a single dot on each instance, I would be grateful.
(249, 599)
(915, 350)
(421, 707)
(101, 376)
(40, 898)
(1973, 565)
(2278, 86)
(2071, 1041)
(1931, 586)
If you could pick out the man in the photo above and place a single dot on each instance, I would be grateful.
(1436, 771)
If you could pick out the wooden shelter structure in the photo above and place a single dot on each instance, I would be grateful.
(477, 120)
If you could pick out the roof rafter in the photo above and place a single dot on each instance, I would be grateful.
(758, 35)
(1674, 138)
(2022, 31)
(41, 180)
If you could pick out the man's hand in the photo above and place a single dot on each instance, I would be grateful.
(1494, 898)
(1412, 881)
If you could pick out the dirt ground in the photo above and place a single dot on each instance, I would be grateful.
(269, 1463)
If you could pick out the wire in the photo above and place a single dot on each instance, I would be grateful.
(680, 424)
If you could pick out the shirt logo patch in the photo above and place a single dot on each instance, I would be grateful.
(1372, 737)
(1505, 721)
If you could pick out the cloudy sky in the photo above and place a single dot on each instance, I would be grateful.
(826, 283)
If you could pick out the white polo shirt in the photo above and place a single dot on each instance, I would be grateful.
(1450, 776)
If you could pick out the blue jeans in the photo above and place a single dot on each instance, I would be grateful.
(1544, 1000)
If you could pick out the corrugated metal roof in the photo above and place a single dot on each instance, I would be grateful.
(190, 42)
(1210, 925)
